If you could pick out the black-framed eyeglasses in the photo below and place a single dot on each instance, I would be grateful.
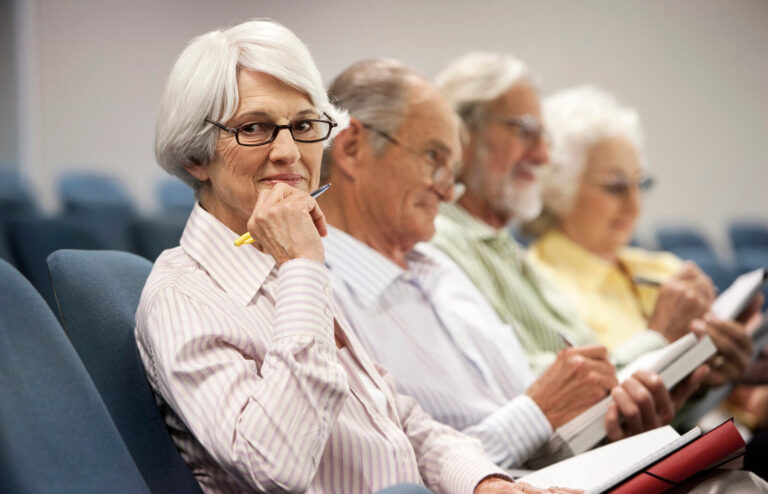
(528, 127)
(261, 133)
(620, 186)
(442, 174)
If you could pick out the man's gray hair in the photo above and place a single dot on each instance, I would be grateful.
(203, 84)
(577, 119)
(473, 80)
(375, 92)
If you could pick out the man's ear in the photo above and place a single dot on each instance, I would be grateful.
(198, 171)
(348, 148)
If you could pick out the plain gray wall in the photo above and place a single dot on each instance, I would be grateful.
(697, 70)
(9, 136)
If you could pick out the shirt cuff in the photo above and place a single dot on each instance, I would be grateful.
(638, 344)
(461, 472)
(303, 306)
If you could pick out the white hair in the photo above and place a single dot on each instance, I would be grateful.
(577, 119)
(473, 80)
(203, 84)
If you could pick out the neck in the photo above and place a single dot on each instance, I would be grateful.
(342, 210)
(234, 221)
(609, 255)
(481, 210)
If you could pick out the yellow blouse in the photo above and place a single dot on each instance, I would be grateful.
(604, 295)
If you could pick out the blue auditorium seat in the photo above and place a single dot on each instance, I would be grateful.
(57, 436)
(97, 293)
(175, 197)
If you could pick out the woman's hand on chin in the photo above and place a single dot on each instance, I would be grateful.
(287, 223)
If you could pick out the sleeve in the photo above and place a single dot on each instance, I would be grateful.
(449, 461)
(513, 433)
(636, 345)
(266, 421)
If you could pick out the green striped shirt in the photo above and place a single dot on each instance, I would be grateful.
(526, 301)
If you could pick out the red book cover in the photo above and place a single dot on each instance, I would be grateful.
(692, 458)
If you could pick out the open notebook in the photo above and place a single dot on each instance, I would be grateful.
(673, 363)
(645, 463)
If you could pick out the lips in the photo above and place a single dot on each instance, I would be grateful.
(285, 178)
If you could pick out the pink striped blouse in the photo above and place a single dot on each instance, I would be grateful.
(242, 358)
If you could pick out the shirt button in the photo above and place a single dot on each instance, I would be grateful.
(328, 312)
(327, 290)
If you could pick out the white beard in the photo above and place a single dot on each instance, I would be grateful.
(515, 200)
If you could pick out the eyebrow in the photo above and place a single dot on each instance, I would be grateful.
(439, 146)
(268, 116)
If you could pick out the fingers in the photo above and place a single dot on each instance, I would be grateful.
(734, 347)
(598, 352)
(633, 422)
(645, 407)
(317, 216)
(688, 386)
(588, 371)
(751, 313)
(612, 423)
(665, 408)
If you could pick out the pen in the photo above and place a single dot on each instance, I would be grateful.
(642, 280)
(246, 238)
(566, 339)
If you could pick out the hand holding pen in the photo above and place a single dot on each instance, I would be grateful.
(287, 223)
(246, 238)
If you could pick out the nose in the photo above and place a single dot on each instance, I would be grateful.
(538, 153)
(632, 200)
(284, 148)
(444, 182)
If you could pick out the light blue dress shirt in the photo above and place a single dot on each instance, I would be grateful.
(442, 342)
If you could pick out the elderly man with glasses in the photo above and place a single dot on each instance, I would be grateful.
(498, 102)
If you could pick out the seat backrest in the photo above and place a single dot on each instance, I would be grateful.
(55, 432)
(15, 194)
(672, 238)
(175, 197)
(748, 235)
(33, 237)
(97, 293)
(78, 190)
(155, 234)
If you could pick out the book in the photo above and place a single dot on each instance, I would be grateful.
(650, 462)
(672, 363)
(736, 297)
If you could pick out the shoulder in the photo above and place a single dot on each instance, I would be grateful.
(176, 278)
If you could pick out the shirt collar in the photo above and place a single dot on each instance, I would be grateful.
(471, 226)
(366, 271)
(240, 271)
(590, 270)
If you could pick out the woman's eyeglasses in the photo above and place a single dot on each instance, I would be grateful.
(261, 133)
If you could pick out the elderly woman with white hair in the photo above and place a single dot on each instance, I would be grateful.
(591, 195)
(261, 384)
